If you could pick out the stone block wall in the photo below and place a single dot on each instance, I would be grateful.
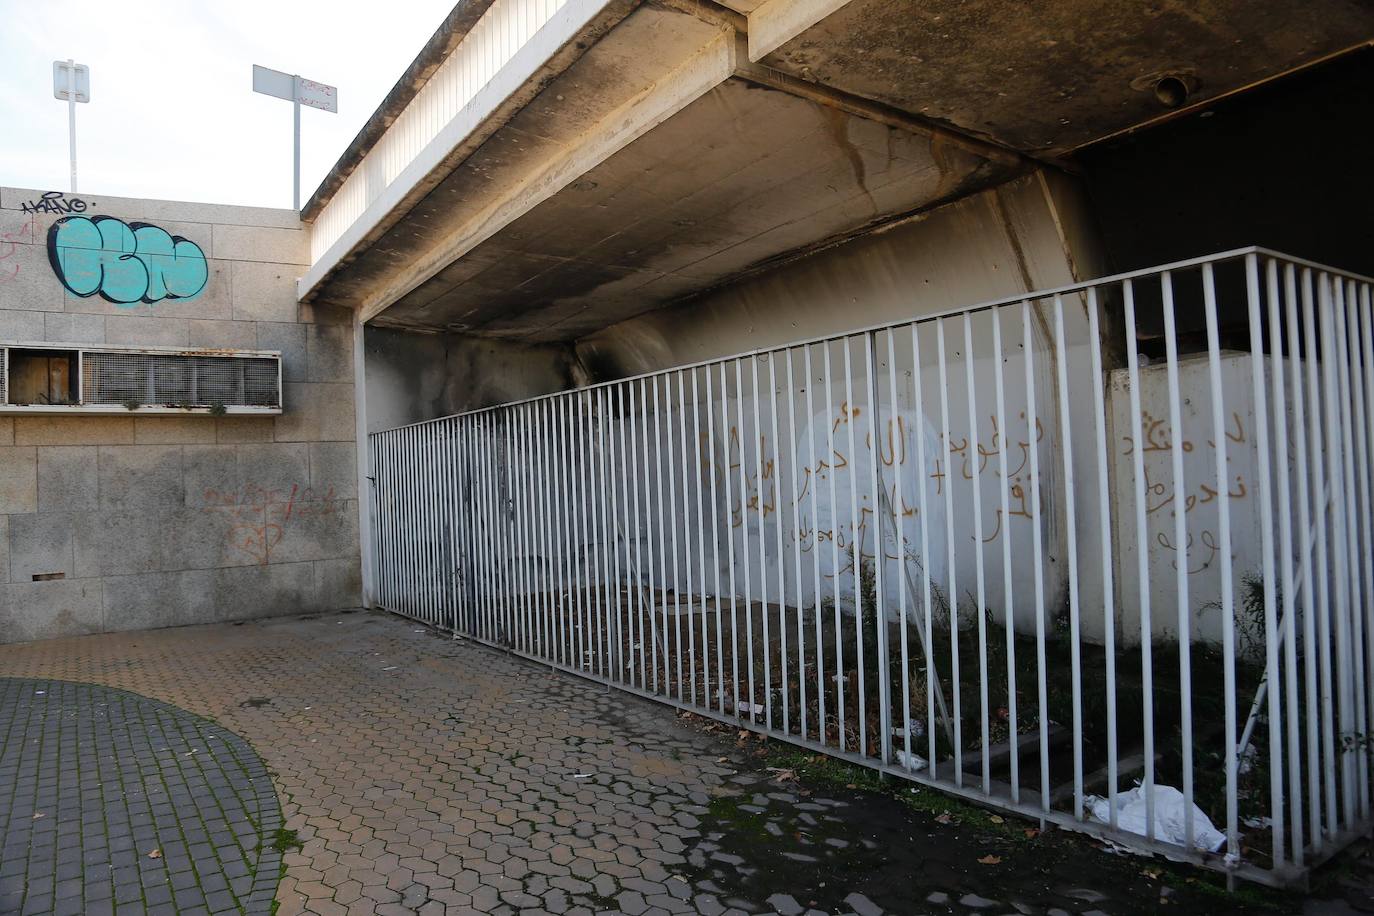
(118, 522)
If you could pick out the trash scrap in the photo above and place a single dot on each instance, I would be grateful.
(911, 762)
(1170, 808)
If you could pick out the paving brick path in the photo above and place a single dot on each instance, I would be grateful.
(111, 799)
(424, 774)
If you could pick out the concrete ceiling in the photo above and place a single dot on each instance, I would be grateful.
(1048, 77)
(740, 177)
(663, 163)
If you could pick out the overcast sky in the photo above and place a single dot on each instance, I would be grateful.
(172, 112)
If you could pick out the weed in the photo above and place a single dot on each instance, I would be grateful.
(284, 840)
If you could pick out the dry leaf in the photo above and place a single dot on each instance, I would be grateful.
(1032, 833)
(155, 854)
(38, 814)
(997, 819)
(1152, 873)
(945, 818)
(991, 860)
(722, 760)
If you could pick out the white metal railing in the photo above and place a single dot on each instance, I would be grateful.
(950, 549)
(505, 27)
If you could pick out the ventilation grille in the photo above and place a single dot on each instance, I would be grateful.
(177, 380)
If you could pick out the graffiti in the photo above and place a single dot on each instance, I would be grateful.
(126, 263)
(1208, 539)
(56, 202)
(8, 248)
(1157, 442)
(259, 517)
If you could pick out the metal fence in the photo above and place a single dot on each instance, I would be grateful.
(1099, 555)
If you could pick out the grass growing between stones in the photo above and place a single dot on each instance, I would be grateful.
(1017, 835)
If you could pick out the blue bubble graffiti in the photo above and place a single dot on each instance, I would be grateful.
(126, 263)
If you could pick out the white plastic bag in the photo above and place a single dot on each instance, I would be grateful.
(1169, 811)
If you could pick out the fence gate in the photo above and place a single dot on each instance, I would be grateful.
(1100, 555)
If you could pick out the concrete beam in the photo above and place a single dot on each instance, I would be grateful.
(554, 48)
(697, 75)
(776, 22)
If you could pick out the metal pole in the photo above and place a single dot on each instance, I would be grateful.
(295, 148)
(71, 116)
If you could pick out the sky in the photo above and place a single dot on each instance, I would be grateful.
(172, 112)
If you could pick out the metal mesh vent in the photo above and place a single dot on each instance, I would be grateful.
(178, 380)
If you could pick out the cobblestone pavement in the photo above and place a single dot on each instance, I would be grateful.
(424, 774)
(111, 799)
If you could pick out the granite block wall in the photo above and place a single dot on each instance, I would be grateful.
(117, 522)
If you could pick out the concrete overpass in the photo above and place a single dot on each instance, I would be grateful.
(545, 170)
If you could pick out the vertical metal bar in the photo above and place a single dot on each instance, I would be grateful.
(508, 517)
(1342, 482)
(744, 535)
(757, 441)
(398, 519)
(685, 520)
(477, 455)
(675, 523)
(730, 539)
(642, 641)
(1071, 528)
(615, 404)
(1008, 599)
(520, 495)
(1364, 341)
(433, 501)
(1037, 552)
(1319, 489)
(548, 514)
(498, 529)
(701, 540)
(1279, 351)
(1300, 440)
(1228, 623)
(880, 605)
(779, 513)
(529, 549)
(794, 456)
(947, 481)
(716, 517)
(648, 569)
(1142, 552)
(922, 510)
(1335, 479)
(814, 485)
(897, 436)
(407, 519)
(1356, 469)
(596, 445)
(971, 458)
(830, 422)
(381, 468)
(662, 514)
(581, 586)
(472, 529)
(457, 554)
(856, 551)
(590, 546)
(625, 403)
(1105, 532)
(609, 552)
(1271, 637)
(566, 576)
(1185, 667)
